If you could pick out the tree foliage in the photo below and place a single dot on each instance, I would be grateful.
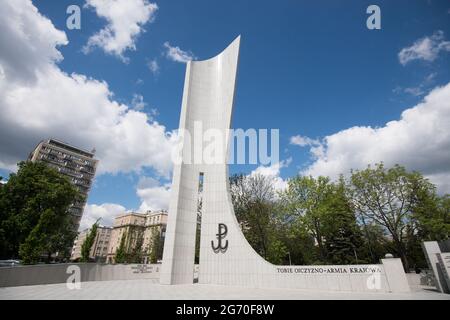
(321, 209)
(89, 242)
(130, 249)
(34, 216)
(121, 251)
(373, 212)
(156, 246)
(306, 202)
(255, 208)
(135, 252)
(391, 198)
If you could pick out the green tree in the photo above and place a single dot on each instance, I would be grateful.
(430, 221)
(390, 198)
(121, 250)
(306, 201)
(255, 207)
(319, 212)
(135, 252)
(156, 246)
(130, 249)
(343, 237)
(299, 244)
(34, 216)
(432, 216)
(89, 242)
(375, 244)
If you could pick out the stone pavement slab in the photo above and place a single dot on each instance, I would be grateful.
(151, 290)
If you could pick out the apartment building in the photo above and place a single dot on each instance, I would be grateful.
(99, 248)
(77, 164)
(137, 229)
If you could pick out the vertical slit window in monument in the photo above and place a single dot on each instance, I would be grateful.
(199, 223)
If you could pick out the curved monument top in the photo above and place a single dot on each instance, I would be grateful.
(233, 45)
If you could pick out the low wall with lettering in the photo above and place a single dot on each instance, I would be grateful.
(388, 276)
(60, 273)
(351, 278)
(385, 277)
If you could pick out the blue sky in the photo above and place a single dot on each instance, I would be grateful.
(308, 68)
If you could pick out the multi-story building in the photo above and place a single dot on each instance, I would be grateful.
(128, 226)
(156, 222)
(77, 164)
(76, 249)
(139, 230)
(99, 248)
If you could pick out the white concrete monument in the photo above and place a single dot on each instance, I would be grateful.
(439, 263)
(226, 258)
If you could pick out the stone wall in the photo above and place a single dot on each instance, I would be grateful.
(60, 273)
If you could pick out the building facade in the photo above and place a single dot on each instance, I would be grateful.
(77, 164)
(138, 231)
(99, 248)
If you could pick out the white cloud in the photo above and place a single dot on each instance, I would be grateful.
(138, 102)
(442, 180)
(153, 195)
(178, 55)
(107, 212)
(419, 90)
(430, 78)
(273, 172)
(38, 100)
(153, 66)
(303, 141)
(2, 73)
(28, 42)
(419, 140)
(415, 91)
(125, 22)
(316, 147)
(427, 48)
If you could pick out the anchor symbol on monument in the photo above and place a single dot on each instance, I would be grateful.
(222, 233)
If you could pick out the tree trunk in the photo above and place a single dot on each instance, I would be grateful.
(322, 252)
(402, 253)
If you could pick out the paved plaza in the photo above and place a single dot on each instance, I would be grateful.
(151, 290)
